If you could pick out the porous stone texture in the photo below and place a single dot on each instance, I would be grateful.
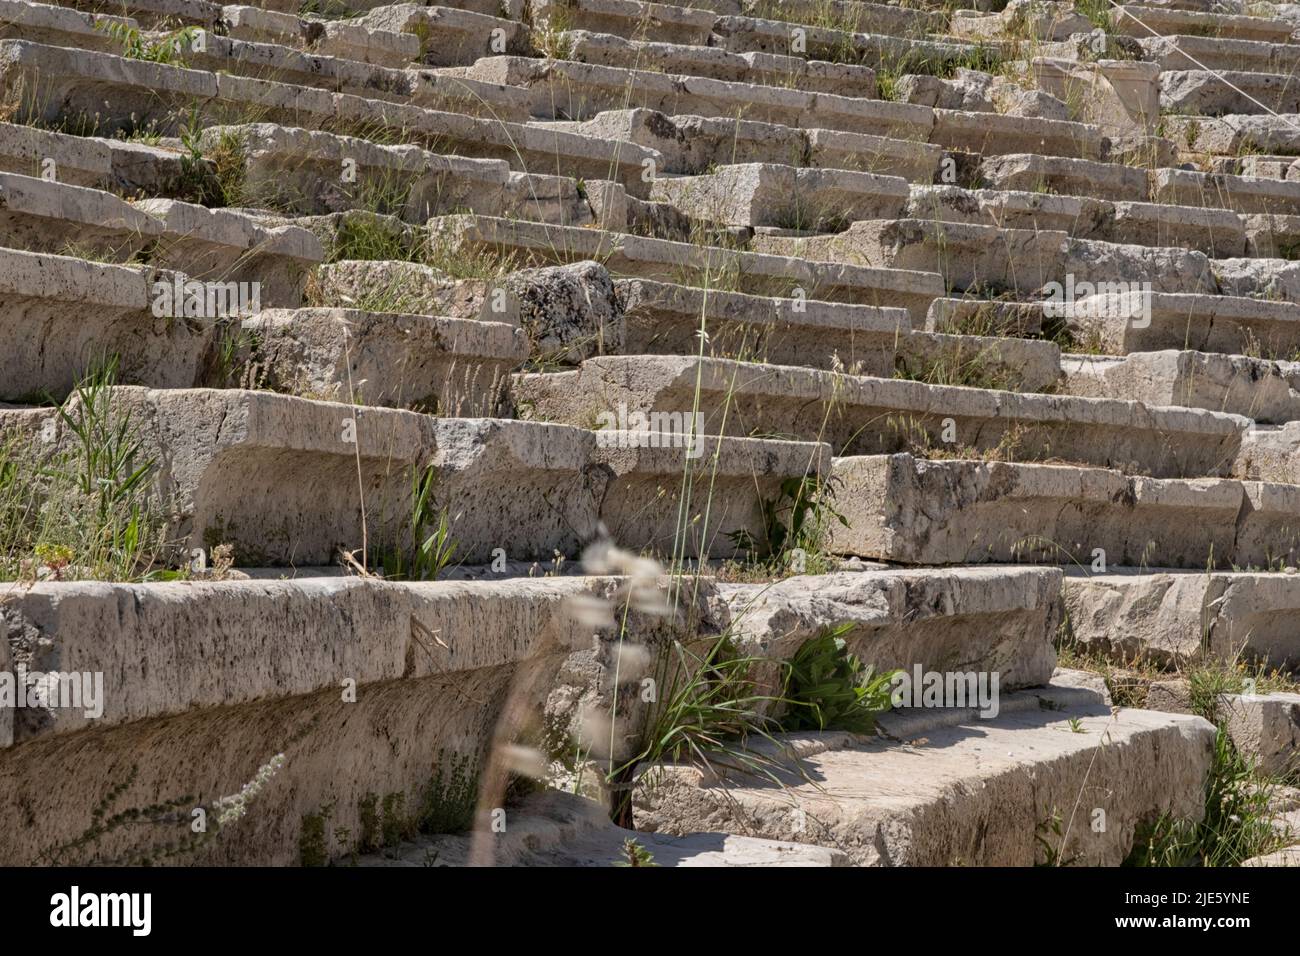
(1173, 616)
(560, 829)
(946, 788)
(901, 508)
(875, 415)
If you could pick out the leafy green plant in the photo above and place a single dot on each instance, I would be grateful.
(829, 688)
(634, 854)
(137, 45)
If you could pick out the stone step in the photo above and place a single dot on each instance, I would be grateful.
(762, 69)
(630, 18)
(216, 245)
(849, 15)
(975, 257)
(875, 47)
(693, 145)
(863, 415)
(205, 682)
(763, 194)
(1206, 93)
(555, 828)
(225, 465)
(919, 511)
(60, 26)
(947, 788)
(447, 366)
(1137, 20)
(1235, 134)
(1245, 194)
(991, 619)
(1045, 21)
(567, 90)
(1216, 232)
(117, 166)
(1263, 390)
(688, 263)
(1172, 617)
(107, 93)
(1270, 453)
(424, 88)
(346, 39)
(307, 173)
(1137, 321)
(60, 315)
(1219, 53)
(665, 319)
(447, 36)
(1065, 176)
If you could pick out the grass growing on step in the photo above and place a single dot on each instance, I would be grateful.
(427, 547)
(1236, 826)
(710, 706)
(84, 511)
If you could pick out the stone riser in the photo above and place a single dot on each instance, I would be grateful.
(961, 511)
(862, 415)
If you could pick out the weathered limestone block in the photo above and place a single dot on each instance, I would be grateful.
(700, 496)
(1041, 19)
(1178, 616)
(453, 367)
(54, 85)
(1266, 727)
(964, 800)
(1134, 20)
(1167, 270)
(991, 134)
(966, 256)
(1217, 233)
(205, 682)
(1255, 388)
(1121, 97)
(630, 18)
(1275, 237)
(567, 312)
(61, 316)
(557, 828)
(863, 415)
(665, 319)
(114, 165)
(229, 466)
(218, 245)
(1083, 217)
(1204, 93)
(444, 36)
(985, 317)
(700, 265)
(945, 619)
(1244, 194)
(1064, 175)
(308, 172)
(1124, 322)
(1270, 453)
(577, 91)
(1022, 365)
(1213, 53)
(769, 195)
(59, 26)
(901, 508)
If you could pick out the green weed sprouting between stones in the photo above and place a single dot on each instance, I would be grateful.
(86, 511)
(827, 687)
(1236, 825)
